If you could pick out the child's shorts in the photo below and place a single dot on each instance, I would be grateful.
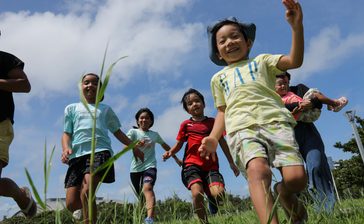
(139, 178)
(194, 174)
(80, 166)
(6, 137)
(275, 142)
(313, 114)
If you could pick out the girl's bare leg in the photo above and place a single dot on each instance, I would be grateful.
(149, 199)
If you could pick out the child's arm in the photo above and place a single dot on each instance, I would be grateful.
(170, 153)
(66, 147)
(126, 141)
(17, 82)
(226, 151)
(209, 144)
(294, 17)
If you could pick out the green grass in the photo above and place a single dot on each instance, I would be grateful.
(176, 211)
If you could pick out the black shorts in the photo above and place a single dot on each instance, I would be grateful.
(80, 166)
(140, 178)
(194, 174)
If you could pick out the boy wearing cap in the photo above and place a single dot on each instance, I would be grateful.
(258, 126)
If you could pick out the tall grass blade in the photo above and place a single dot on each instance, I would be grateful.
(111, 160)
(99, 95)
(108, 164)
(49, 167)
(107, 78)
(35, 192)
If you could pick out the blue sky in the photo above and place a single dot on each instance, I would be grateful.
(166, 45)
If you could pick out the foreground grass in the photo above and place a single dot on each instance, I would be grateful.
(177, 211)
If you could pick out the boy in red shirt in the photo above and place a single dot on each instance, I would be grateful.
(199, 175)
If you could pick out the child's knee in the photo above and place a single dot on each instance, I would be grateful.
(258, 169)
(217, 191)
(147, 187)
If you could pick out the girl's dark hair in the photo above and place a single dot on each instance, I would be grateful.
(98, 78)
(185, 95)
(149, 112)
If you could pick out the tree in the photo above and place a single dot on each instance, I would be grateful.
(349, 174)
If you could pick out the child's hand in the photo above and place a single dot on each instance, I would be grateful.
(138, 154)
(140, 143)
(208, 148)
(293, 13)
(235, 169)
(166, 155)
(305, 105)
(65, 155)
(296, 110)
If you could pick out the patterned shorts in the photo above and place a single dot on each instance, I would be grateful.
(139, 178)
(6, 137)
(80, 166)
(194, 174)
(275, 142)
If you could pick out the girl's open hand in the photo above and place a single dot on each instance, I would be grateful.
(294, 14)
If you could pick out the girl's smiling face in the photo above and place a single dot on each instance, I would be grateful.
(231, 44)
(89, 87)
(144, 121)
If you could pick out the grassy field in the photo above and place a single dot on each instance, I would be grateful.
(349, 211)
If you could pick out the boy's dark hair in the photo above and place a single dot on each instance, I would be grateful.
(185, 95)
(98, 78)
(148, 111)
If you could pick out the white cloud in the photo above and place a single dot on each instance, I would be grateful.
(328, 50)
(58, 48)
(167, 124)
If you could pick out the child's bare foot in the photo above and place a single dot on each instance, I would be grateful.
(340, 104)
(296, 217)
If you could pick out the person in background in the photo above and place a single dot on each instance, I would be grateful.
(311, 146)
(199, 175)
(143, 174)
(312, 94)
(77, 147)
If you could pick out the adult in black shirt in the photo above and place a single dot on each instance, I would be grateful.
(311, 146)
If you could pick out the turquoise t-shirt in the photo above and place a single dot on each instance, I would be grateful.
(78, 122)
(149, 138)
